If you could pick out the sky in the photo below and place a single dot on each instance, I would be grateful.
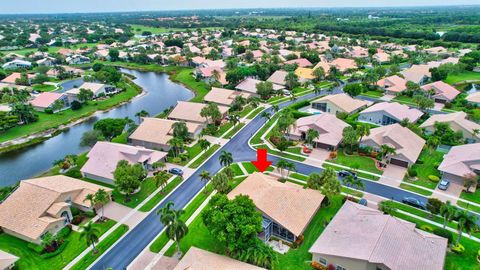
(76, 6)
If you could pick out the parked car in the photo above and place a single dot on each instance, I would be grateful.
(176, 171)
(443, 185)
(414, 202)
(363, 202)
(345, 173)
(286, 92)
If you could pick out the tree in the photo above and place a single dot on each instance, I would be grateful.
(234, 223)
(353, 89)
(220, 182)
(447, 211)
(90, 138)
(180, 130)
(144, 113)
(127, 177)
(49, 241)
(311, 135)
(25, 112)
(204, 144)
(204, 177)
(350, 137)
(90, 234)
(353, 182)
(58, 105)
(386, 150)
(319, 74)
(113, 54)
(285, 167)
(225, 158)
(160, 180)
(101, 197)
(259, 254)
(291, 80)
(90, 198)
(387, 207)
(84, 95)
(315, 181)
(424, 103)
(211, 113)
(266, 115)
(470, 180)
(176, 144)
(264, 90)
(331, 187)
(362, 130)
(175, 228)
(110, 127)
(466, 222)
(434, 205)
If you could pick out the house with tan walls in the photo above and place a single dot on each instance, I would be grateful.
(338, 103)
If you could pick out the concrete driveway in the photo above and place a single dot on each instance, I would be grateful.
(451, 194)
(387, 97)
(317, 157)
(117, 212)
(393, 175)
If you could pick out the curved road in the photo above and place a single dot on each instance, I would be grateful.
(128, 248)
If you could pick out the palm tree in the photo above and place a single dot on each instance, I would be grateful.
(159, 165)
(466, 222)
(363, 130)
(160, 180)
(91, 234)
(204, 144)
(176, 144)
(266, 115)
(447, 211)
(275, 108)
(175, 228)
(387, 150)
(311, 135)
(353, 182)
(166, 213)
(205, 176)
(290, 167)
(101, 198)
(90, 198)
(141, 114)
(226, 158)
(282, 164)
(234, 119)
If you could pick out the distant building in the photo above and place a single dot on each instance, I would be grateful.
(17, 64)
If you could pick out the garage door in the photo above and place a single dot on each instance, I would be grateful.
(440, 101)
(323, 146)
(399, 162)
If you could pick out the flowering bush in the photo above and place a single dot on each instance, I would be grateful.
(459, 249)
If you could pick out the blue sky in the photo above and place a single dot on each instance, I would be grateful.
(68, 6)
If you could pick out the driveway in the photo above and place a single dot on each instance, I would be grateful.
(117, 211)
(451, 194)
(393, 175)
(317, 157)
(387, 97)
(438, 106)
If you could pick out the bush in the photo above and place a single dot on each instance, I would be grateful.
(75, 211)
(49, 111)
(433, 178)
(426, 228)
(444, 233)
(56, 252)
(77, 220)
(459, 249)
(75, 173)
(176, 160)
(36, 248)
(412, 172)
(76, 105)
(64, 232)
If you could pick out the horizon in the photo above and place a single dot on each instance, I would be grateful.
(50, 7)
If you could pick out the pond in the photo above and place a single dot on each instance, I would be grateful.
(161, 93)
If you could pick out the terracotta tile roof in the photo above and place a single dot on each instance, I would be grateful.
(159, 131)
(199, 259)
(442, 90)
(416, 73)
(7, 259)
(393, 83)
(288, 204)
(361, 233)
(474, 97)
(301, 62)
(329, 127)
(28, 211)
(46, 99)
(278, 77)
(250, 85)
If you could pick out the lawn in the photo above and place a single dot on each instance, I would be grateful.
(404, 99)
(236, 169)
(204, 156)
(159, 196)
(105, 244)
(463, 76)
(416, 189)
(147, 187)
(245, 111)
(234, 131)
(43, 87)
(355, 161)
(31, 260)
(471, 196)
(255, 113)
(425, 166)
(48, 121)
(375, 94)
(185, 77)
(138, 29)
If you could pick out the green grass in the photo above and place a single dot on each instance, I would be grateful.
(404, 100)
(471, 196)
(234, 131)
(430, 160)
(462, 77)
(469, 206)
(31, 260)
(43, 87)
(105, 244)
(204, 156)
(48, 121)
(364, 163)
(138, 29)
(281, 154)
(185, 77)
(255, 113)
(122, 138)
(236, 169)
(159, 196)
(245, 111)
(375, 94)
(295, 150)
(147, 187)
(416, 189)
(223, 128)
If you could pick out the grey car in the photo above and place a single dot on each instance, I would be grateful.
(443, 185)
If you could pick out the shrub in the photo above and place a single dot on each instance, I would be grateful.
(49, 111)
(176, 160)
(433, 178)
(77, 219)
(56, 252)
(459, 249)
(36, 248)
(444, 233)
(75, 211)
(75, 173)
(64, 232)
(412, 172)
(76, 105)
(426, 228)
(333, 154)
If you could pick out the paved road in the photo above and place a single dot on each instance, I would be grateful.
(121, 255)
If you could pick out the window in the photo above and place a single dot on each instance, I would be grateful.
(322, 261)
(340, 268)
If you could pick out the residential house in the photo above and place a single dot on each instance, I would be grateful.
(46, 100)
(77, 59)
(344, 64)
(249, 85)
(300, 62)
(47, 61)
(457, 121)
(304, 74)
(12, 78)
(279, 204)
(362, 238)
(17, 64)
(443, 92)
(199, 259)
(474, 98)
(387, 113)
(459, 162)
(7, 260)
(393, 85)
(190, 112)
(223, 96)
(338, 103)
(329, 127)
(381, 57)
(42, 205)
(98, 89)
(418, 74)
(154, 133)
(406, 143)
(278, 77)
(104, 156)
